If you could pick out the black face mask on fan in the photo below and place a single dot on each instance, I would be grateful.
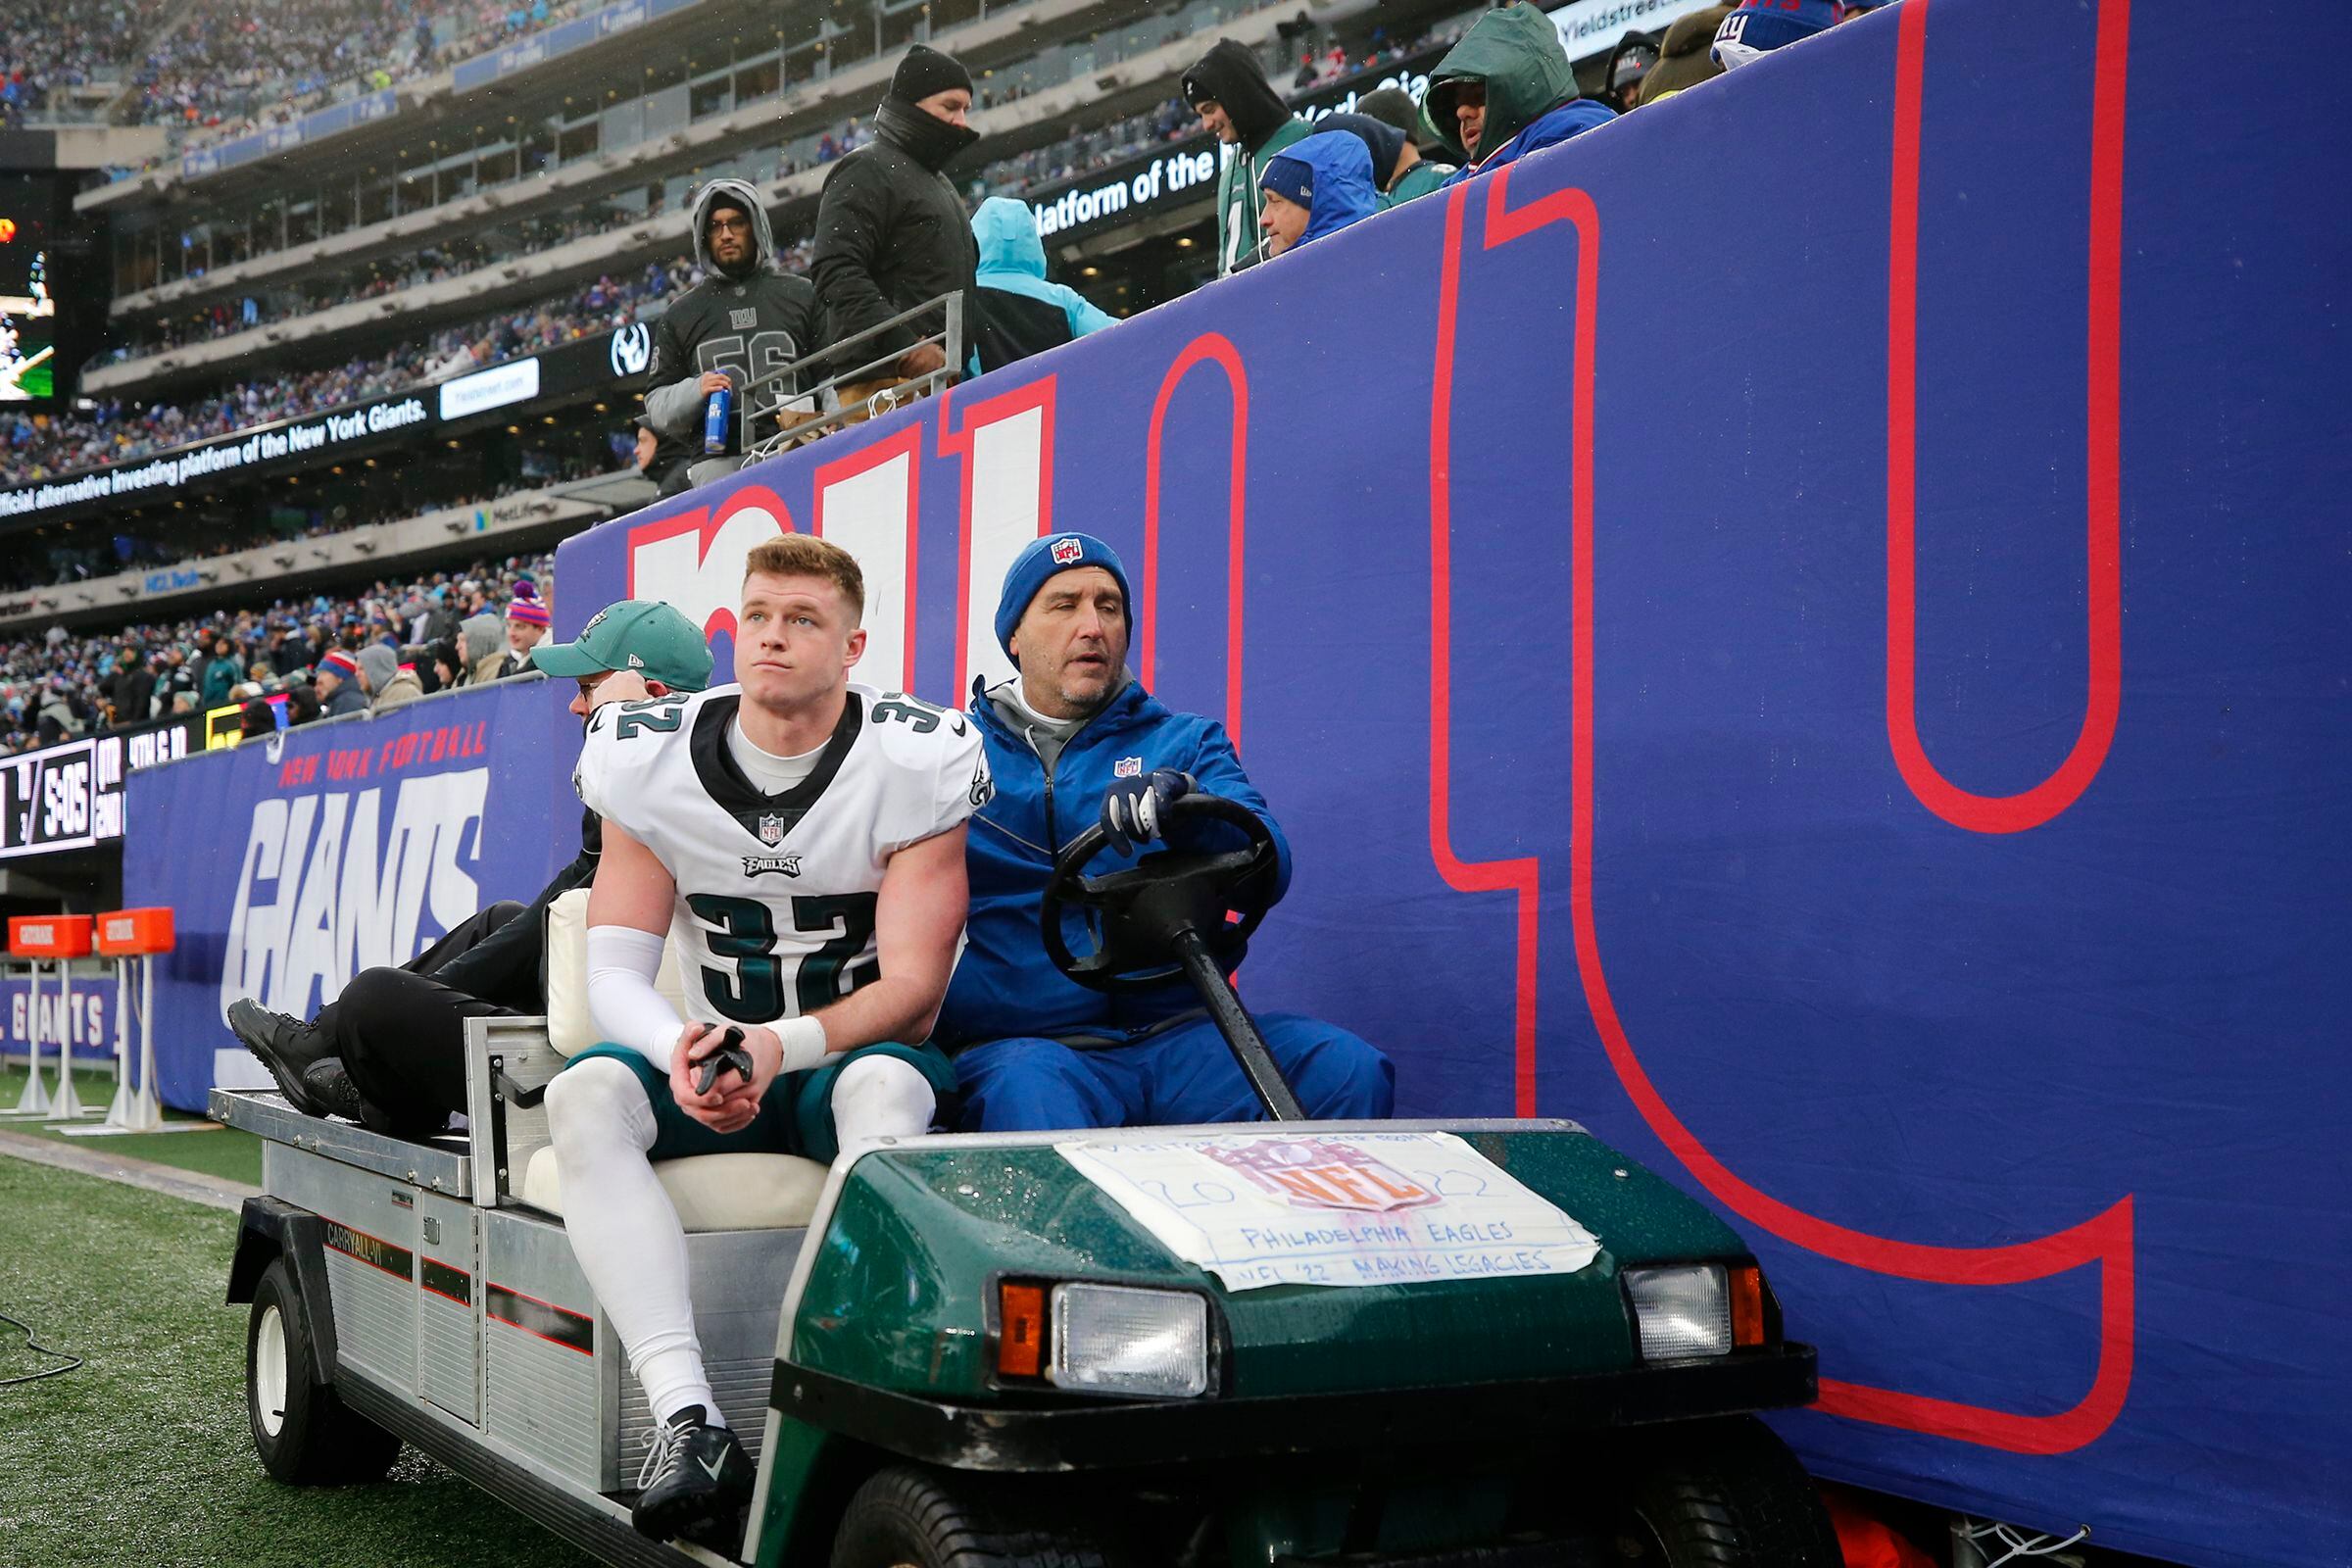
(920, 134)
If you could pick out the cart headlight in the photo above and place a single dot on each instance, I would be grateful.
(1114, 1338)
(1680, 1311)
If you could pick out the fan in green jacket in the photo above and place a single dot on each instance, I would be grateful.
(1241, 110)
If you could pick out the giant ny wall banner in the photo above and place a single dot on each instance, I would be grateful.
(295, 861)
(1825, 666)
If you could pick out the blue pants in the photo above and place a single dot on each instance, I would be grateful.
(1182, 1075)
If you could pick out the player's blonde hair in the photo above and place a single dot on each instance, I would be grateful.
(804, 554)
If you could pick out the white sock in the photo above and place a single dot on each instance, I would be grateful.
(625, 1231)
(880, 1096)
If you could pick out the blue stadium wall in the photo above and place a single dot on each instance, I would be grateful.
(1806, 629)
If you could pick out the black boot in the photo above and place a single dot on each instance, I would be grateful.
(285, 1045)
(330, 1088)
(694, 1482)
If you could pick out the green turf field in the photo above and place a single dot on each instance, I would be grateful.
(222, 1151)
(142, 1455)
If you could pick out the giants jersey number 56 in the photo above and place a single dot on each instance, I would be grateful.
(775, 910)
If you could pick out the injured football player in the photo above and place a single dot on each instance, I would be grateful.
(800, 838)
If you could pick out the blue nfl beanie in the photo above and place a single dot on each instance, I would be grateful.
(1042, 558)
(1291, 179)
(1752, 30)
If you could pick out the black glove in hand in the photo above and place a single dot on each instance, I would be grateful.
(1132, 806)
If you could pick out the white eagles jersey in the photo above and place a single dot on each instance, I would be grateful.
(775, 910)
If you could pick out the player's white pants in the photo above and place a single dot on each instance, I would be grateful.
(625, 1231)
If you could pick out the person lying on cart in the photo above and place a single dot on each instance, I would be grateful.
(389, 1051)
(800, 839)
(1072, 737)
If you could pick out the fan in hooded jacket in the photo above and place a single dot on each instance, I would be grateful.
(1238, 106)
(1317, 186)
(744, 322)
(891, 233)
(1506, 90)
(1018, 312)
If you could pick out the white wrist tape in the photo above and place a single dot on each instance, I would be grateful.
(627, 1010)
(804, 1044)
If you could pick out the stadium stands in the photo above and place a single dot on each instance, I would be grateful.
(48, 46)
(257, 295)
(114, 433)
(66, 677)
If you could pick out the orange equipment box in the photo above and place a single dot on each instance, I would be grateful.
(48, 936)
(134, 933)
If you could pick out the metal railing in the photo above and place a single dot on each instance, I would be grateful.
(831, 412)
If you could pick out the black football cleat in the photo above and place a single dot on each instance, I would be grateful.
(694, 1482)
(285, 1045)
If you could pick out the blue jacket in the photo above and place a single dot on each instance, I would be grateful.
(1578, 114)
(1342, 169)
(1005, 985)
(1012, 260)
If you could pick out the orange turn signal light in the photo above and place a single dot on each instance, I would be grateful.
(1021, 1330)
(1747, 1307)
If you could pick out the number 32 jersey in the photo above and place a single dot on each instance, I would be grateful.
(776, 892)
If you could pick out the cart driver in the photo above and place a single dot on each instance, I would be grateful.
(1033, 1049)
(802, 840)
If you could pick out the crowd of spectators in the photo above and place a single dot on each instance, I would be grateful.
(447, 629)
(59, 675)
(48, 45)
(431, 264)
(40, 447)
(115, 433)
(225, 73)
(70, 560)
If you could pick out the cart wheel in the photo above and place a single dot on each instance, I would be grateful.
(305, 1434)
(904, 1517)
(1725, 1495)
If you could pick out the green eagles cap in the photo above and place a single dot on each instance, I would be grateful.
(645, 635)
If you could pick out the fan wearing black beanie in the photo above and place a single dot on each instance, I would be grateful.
(1228, 89)
(1399, 170)
(890, 231)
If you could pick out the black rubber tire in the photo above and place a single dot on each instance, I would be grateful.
(1728, 1494)
(907, 1517)
(319, 1441)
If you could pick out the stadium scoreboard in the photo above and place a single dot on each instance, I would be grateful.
(61, 797)
(29, 369)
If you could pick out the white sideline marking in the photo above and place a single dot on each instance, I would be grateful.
(192, 1187)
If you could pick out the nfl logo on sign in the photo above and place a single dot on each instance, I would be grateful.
(771, 830)
(1127, 767)
(1067, 551)
(1324, 1173)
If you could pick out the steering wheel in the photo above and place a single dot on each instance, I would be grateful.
(1142, 911)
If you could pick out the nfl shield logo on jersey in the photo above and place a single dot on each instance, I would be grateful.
(771, 830)
(1065, 551)
(1127, 767)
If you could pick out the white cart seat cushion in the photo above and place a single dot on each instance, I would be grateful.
(569, 1028)
(711, 1192)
